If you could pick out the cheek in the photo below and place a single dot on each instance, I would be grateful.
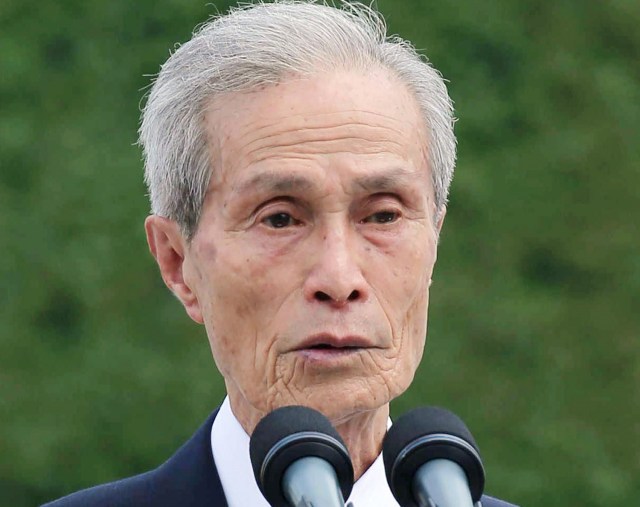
(416, 328)
(407, 307)
(415, 324)
(407, 292)
(240, 308)
(408, 346)
(235, 286)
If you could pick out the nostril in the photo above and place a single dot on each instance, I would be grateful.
(321, 296)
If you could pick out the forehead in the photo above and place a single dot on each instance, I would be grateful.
(365, 118)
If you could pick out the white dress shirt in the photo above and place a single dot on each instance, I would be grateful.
(230, 446)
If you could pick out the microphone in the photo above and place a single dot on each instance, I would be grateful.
(431, 460)
(299, 459)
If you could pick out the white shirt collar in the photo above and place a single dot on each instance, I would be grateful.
(230, 447)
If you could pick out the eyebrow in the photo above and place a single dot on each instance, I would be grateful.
(390, 180)
(284, 183)
(270, 182)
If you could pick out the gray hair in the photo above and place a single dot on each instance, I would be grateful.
(261, 44)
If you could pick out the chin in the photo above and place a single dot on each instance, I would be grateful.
(341, 401)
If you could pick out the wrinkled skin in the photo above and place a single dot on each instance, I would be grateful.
(312, 260)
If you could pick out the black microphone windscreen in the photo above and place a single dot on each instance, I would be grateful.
(408, 445)
(283, 422)
(291, 433)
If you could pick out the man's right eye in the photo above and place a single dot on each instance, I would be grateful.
(280, 220)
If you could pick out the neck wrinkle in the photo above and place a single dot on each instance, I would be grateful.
(363, 434)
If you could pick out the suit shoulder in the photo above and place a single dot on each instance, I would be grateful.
(189, 479)
(129, 492)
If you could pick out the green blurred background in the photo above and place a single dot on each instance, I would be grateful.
(534, 315)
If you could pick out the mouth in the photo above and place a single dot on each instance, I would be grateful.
(326, 346)
(328, 342)
(328, 352)
(332, 351)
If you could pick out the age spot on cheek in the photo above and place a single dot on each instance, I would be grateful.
(206, 250)
(241, 311)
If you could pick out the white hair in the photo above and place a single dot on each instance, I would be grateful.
(260, 44)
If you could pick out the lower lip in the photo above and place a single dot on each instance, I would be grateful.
(328, 356)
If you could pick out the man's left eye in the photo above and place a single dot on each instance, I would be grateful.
(280, 220)
(382, 217)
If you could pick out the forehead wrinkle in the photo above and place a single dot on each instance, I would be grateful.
(319, 120)
(356, 144)
(312, 135)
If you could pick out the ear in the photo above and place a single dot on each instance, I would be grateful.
(170, 249)
(440, 220)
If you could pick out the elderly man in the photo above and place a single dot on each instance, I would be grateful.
(298, 164)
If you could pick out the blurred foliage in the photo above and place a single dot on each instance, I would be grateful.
(534, 315)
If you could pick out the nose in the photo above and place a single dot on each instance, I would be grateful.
(336, 277)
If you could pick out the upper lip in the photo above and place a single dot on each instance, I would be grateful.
(331, 340)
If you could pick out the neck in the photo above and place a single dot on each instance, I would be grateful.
(363, 434)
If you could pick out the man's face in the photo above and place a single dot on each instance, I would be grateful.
(313, 256)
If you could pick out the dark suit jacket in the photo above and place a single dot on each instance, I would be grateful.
(188, 479)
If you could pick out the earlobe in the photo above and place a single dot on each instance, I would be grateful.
(169, 248)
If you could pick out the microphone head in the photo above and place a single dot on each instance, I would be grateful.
(422, 435)
(288, 434)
